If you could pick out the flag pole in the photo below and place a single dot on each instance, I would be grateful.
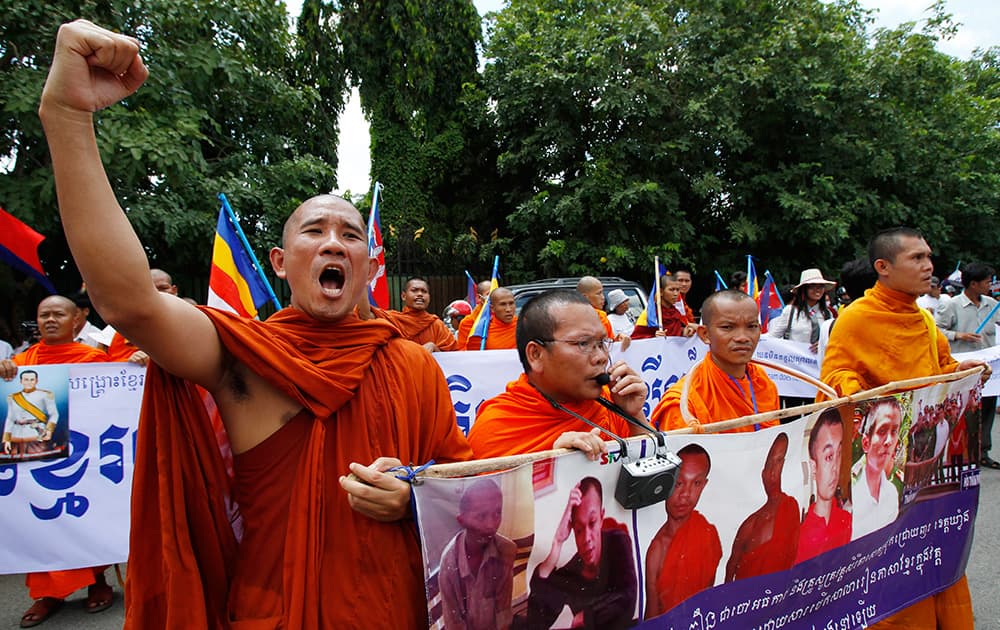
(488, 315)
(249, 250)
(720, 281)
(656, 281)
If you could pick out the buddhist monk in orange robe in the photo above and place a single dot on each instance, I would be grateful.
(724, 385)
(683, 278)
(768, 539)
(592, 289)
(503, 323)
(561, 344)
(416, 324)
(320, 407)
(56, 318)
(684, 555)
(671, 323)
(465, 326)
(885, 337)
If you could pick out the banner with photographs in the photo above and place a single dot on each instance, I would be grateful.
(76, 509)
(835, 520)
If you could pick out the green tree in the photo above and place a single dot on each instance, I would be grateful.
(414, 63)
(222, 111)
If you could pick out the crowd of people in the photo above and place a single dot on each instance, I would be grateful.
(328, 399)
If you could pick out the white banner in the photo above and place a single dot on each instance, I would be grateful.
(74, 512)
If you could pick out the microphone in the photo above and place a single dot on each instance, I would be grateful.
(603, 379)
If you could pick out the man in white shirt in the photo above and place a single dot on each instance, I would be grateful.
(875, 498)
(969, 322)
(932, 298)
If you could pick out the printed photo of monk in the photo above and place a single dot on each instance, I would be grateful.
(874, 495)
(826, 524)
(768, 539)
(477, 566)
(598, 584)
(684, 554)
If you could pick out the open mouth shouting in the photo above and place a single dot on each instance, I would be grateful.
(332, 280)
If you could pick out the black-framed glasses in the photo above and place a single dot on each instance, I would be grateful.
(584, 346)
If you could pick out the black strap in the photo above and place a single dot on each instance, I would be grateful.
(556, 405)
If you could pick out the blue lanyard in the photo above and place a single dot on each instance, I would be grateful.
(753, 396)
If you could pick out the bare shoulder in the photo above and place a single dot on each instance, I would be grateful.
(251, 407)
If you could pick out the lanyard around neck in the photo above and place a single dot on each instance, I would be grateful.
(753, 396)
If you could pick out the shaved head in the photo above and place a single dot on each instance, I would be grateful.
(162, 281)
(587, 284)
(708, 309)
(58, 300)
(484, 490)
(326, 200)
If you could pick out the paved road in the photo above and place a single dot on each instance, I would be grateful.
(984, 577)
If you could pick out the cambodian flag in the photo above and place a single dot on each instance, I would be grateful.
(378, 288)
(19, 248)
(236, 282)
(769, 301)
(470, 289)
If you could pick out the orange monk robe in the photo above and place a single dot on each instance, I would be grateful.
(365, 393)
(778, 553)
(519, 421)
(715, 396)
(44, 354)
(608, 329)
(422, 327)
(880, 338)
(500, 336)
(688, 313)
(465, 327)
(690, 563)
(60, 584)
(121, 349)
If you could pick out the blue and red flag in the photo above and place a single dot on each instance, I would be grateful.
(769, 301)
(236, 282)
(470, 289)
(19, 248)
(378, 288)
(481, 327)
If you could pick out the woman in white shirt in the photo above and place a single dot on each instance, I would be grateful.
(801, 318)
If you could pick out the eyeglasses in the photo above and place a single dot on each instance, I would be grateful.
(585, 346)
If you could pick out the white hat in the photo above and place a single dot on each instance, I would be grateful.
(813, 276)
(615, 298)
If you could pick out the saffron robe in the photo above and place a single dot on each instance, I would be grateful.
(519, 421)
(465, 327)
(500, 336)
(421, 327)
(121, 349)
(714, 396)
(365, 393)
(885, 337)
(608, 329)
(690, 563)
(672, 325)
(73, 352)
(778, 553)
(60, 584)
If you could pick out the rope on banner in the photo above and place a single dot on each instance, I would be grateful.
(497, 464)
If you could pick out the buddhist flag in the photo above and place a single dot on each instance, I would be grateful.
(236, 282)
(481, 327)
(378, 288)
(752, 289)
(769, 301)
(19, 248)
(648, 317)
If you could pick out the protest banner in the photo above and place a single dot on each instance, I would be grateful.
(89, 492)
(75, 511)
(739, 544)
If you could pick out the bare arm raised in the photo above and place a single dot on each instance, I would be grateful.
(93, 68)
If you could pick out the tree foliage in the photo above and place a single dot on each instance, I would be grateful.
(230, 106)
